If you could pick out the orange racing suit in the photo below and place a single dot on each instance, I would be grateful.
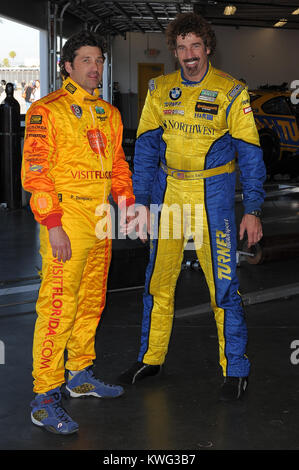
(72, 160)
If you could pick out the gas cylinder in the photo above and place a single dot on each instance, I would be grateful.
(10, 150)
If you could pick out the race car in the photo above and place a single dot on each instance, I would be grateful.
(276, 112)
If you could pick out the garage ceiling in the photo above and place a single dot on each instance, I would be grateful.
(119, 17)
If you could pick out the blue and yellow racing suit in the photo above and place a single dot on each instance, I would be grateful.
(187, 141)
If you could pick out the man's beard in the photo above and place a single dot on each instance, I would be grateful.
(192, 70)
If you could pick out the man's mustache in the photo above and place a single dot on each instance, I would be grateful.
(191, 60)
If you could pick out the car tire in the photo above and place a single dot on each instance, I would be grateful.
(271, 148)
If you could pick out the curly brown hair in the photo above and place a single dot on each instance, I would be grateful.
(186, 23)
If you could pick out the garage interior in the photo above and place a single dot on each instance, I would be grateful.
(180, 409)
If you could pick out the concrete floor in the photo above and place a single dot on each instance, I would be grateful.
(179, 410)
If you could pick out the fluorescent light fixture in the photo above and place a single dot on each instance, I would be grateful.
(230, 10)
(280, 23)
(295, 12)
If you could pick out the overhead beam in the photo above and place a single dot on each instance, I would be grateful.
(92, 15)
(117, 5)
(155, 16)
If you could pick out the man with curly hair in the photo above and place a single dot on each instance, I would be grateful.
(194, 123)
(72, 159)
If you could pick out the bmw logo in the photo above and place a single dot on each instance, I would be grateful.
(175, 93)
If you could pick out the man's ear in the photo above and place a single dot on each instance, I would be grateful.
(68, 67)
(208, 50)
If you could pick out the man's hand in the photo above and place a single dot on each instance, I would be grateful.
(135, 217)
(60, 243)
(143, 226)
(252, 225)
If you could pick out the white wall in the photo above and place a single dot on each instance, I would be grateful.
(258, 55)
(127, 53)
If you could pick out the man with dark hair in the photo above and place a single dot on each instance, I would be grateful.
(72, 159)
(71, 47)
(193, 124)
(184, 24)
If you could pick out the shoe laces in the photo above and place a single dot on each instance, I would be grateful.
(59, 410)
(90, 372)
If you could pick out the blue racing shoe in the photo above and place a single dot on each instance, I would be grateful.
(84, 383)
(48, 412)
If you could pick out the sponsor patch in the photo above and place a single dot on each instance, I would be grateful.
(152, 86)
(247, 110)
(71, 88)
(43, 202)
(90, 175)
(223, 254)
(208, 117)
(37, 168)
(174, 111)
(206, 108)
(97, 141)
(76, 110)
(35, 127)
(173, 125)
(99, 110)
(36, 119)
(208, 95)
(35, 160)
(42, 136)
(172, 103)
(235, 91)
(175, 93)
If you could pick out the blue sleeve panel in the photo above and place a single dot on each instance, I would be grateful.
(148, 151)
(252, 174)
(250, 156)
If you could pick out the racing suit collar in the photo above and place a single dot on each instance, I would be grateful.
(78, 92)
(187, 82)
